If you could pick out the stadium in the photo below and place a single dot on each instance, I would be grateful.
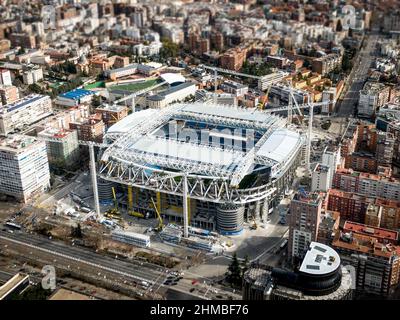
(229, 164)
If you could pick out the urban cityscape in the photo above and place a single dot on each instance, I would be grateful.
(207, 150)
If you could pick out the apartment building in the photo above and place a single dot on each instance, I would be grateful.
(110, 114)
(24, 168)
(304, 219)
(8, 94)
(62, 147)
(5, 77)
(328, 226)
(373, 96)
(326, 64)
(394, 129)
(366, 184)
(23, 40)
(373, 215)
(233, 59)
(390, 213)
(23, 112)
(235, 88)
(32, 75)
(331, 158)
(351, 206)
(89, 129)
(266, 81)
(373, 254)
(321, 178)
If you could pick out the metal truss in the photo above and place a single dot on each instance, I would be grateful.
(228, 121)
(204, 188)
(184, 165)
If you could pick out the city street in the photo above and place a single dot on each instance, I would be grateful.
(358, 76)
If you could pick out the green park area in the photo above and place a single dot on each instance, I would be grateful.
(135, 86)
(98, 84)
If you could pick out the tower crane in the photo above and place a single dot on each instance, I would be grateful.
(280, 76)
(309, 105)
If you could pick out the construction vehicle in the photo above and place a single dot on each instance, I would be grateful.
(254, 226)
(114, 212)
(160, 220)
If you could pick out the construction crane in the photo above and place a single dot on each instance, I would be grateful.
(240, 74)
(309, 105)
(160, 220)
(114, 210)
(138, 93)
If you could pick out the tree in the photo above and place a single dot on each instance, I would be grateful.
(339, 26)
(169, 49)
(245, 265)
(235, 272)
(76, 232)
(96, 101)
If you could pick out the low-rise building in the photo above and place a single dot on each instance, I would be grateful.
(111, 114)
(74, 98)
(173, 94)
(89, 129)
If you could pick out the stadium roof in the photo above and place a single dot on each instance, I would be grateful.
(190, 152)
(228, 112)
(172, 78)
(280, 144)
(131, 121)
(140, 144)
(76, 94)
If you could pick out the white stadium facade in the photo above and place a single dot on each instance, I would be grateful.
(231, 164)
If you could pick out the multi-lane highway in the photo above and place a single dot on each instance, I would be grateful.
(88, 260)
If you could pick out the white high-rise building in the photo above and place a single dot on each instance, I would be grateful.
(331, 158)
(24, 168)
(24, 112)
(32, 76)
(5, 77)
(321, 178)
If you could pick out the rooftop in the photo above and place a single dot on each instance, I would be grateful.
(22, 103)
(76, 94)
(16, 143)
(320, 259)
(207, 139)
(379, 233)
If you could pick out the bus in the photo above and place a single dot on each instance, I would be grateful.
(13, 225)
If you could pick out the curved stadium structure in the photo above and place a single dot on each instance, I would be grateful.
(232, 161)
